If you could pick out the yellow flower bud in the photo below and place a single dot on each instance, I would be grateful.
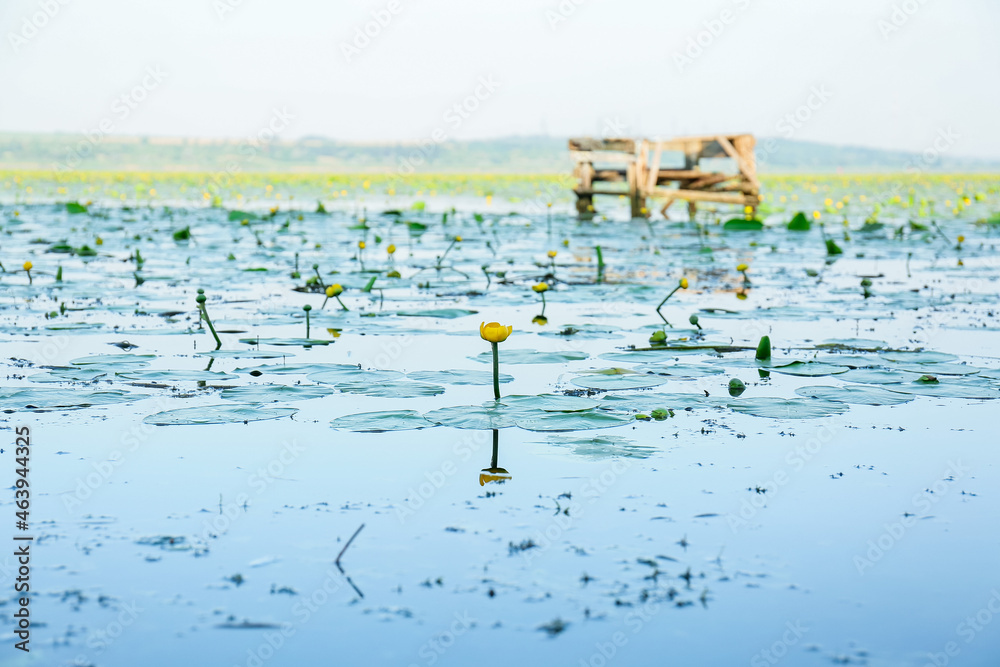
(683, 283)
(361, 245)
(552, 254)
(960, 238)
(27, 266)
(391, 249)
(742, 267)
(334, 290)
(458, 239)
(494, 332)
(540, 287)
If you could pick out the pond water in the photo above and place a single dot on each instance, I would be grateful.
(628, 508)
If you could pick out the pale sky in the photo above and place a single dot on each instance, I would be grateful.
(889, 74)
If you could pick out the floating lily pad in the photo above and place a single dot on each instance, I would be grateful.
(549, 403)
(438, 313)
(398, 389)
(648, 401)
(348, 373)
(877, 376)
(217, 414)
(245, 354)
(290, 342)
(270, 393)
(807, 368)
(530, 357)
(743, 225)
(939, 368)
(572, 421)
(617, 378)
(855, 395)
(53, 398)
(681, 370)
(477, 417)
(458, 376)
(948, 388)
(71, 374)
(919, 357)
(377, 422)
(130, 360)
(290, 369)
(153, 375)
(787, 408)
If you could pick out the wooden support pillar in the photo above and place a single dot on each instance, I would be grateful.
(692, 210)
(584, 197)
(637, 202)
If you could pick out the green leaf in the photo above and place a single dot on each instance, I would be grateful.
(377, 422)
(217, 414)
(242, 215)
(271, 393)
(183, 234)
(572, 421)
(799, 223)
(855, 395)
(458, 377)
(530, 357)
(398, 389)
(764, 349)
(743, 225)
(439, 313)
(475, 417)
(75, 207)
(787, 408)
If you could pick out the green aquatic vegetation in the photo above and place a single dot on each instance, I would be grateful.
(763, 349)
(799, 223)
(495, 333)
(203, 312)
(681, 284)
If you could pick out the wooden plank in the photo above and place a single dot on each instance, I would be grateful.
(654, 169)
(709, 180)
(621, 145)
(602, 157)
(699, 195)
(746, 169)
(610, 175)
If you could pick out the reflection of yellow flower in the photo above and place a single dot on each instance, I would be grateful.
(497, 475)
(683, 283)
(27, 266)
(391, 249)
(742, 296)
(540, 287)
(742, 267)
(552, 254)
(334, 290)
(540, 320)
(495, 332)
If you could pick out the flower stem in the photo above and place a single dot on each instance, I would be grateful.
(204, 315)
(496, 372)
(543, 303)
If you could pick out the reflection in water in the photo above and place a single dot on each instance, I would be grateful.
(494, 474)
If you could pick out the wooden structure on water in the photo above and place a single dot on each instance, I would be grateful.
(638, 163)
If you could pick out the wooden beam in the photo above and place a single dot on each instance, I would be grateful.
(599, 156)
(591, 144)
(700, 195)
(748, 170)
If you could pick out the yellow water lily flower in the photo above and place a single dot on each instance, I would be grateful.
(334, 290)
(540, 287)
(683, 283)
(391, 249)
(27, 266)
(961, 238)
(552, 254)
(742, 267)
(494, 332)
(361, 245)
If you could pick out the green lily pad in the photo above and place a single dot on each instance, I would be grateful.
(130, 360)
(53, 398)
(681, 370)
(939, 368)
(154, 375)
(572, 421)
(648, 401)
(399, 389)
(245, 354)
(799, 223)
(877, 376)
(270, 393)
(919, 357)
(807, 368)
(743, 225)
(290, 342)
(530, 357)
(377, 422)
(217, 414)
(787, 408)
(458, 376)
(948, 388)
(439, 313)
(348, 373)
(855, 395)
(548, 403)
(618, 379)
(290, 369)
(476, 417)
(70, 374)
